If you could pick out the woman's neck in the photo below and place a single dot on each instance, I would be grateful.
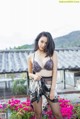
(40, 52)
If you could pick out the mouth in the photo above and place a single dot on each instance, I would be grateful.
(42, 48)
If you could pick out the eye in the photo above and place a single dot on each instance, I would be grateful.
(46, 43)
(42, 41)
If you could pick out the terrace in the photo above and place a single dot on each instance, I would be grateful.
(13, 67)
(13, 64)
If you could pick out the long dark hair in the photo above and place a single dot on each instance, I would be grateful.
(50, 47)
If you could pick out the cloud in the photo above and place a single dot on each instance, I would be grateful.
(21, 21)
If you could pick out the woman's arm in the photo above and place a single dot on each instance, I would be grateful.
(30, 69)
(54, 72)
(30, 65)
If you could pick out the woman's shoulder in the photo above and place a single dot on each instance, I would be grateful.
(55, 53)
(30, 55)
(54, 56)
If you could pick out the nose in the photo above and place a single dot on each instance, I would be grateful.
(43, 44)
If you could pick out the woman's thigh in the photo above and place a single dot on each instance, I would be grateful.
(55, 107)
(37, 106)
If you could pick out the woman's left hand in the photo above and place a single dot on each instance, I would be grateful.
(52, 95)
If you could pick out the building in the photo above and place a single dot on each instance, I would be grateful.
(15, 61)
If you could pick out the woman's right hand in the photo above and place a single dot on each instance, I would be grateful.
(37, 77)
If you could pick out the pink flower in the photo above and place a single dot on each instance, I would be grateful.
(1, 106)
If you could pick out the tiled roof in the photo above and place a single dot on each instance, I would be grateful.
(12, 61)
(69, 59)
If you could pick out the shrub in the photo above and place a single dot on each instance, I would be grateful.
(18, 87)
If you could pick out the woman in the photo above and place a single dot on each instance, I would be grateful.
(42, 68)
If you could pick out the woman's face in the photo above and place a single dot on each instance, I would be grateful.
(42, 43)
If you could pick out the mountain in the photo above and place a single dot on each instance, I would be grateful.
(67, 41)
(26, 46)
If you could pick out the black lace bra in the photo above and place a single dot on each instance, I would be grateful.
(37, 68)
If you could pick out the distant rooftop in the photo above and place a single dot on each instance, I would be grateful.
(13, 61)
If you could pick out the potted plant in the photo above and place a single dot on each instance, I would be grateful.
(19, 87)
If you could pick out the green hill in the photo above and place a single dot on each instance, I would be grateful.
(67, 41)
(26, 46)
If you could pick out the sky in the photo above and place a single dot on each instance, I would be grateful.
(22, 20)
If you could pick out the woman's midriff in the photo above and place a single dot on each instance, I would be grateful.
(44, 73)
(47, 80)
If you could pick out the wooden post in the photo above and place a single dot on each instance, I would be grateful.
(64, 79)
(28, 97)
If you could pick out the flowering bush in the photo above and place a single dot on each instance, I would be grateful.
(76, 111)
(24, 110)
(66, 109)
(20, 110)
(3, 107)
